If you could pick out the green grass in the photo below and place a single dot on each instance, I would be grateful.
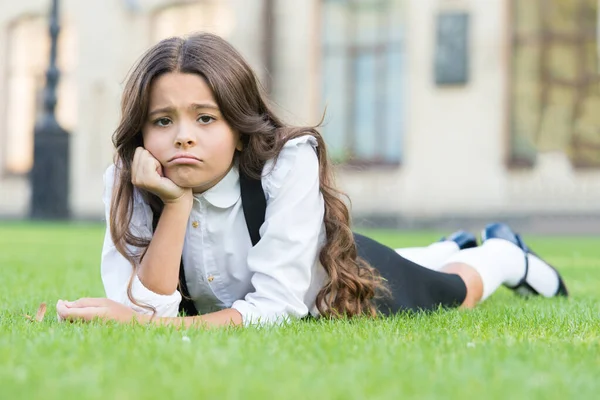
(507, 348)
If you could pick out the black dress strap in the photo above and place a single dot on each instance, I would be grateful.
(254, 205)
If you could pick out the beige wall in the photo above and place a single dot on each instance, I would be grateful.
(456, 154)
(454, 141)
(295, 86)
(453, 144)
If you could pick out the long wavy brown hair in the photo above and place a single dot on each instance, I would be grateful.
(352, 283)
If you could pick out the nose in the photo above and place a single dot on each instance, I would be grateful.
(184, 138)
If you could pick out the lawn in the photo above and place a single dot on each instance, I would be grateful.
(507, 348)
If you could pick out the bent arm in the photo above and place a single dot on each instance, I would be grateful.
(159, 269)
(116, 270)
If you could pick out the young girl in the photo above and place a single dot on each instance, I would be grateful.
(219, 211)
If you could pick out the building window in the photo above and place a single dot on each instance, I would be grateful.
(363, 75)
(213, 16)
(27, 61)
(555, 94)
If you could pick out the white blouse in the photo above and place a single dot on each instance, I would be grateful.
(275, 280)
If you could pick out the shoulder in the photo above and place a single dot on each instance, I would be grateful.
(109, 176)
(111, 179)
(109, 183)
(297, 162)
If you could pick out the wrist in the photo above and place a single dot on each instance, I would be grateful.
(184, 201)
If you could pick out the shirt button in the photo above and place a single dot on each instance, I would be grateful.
(211, 278)
(195, 224)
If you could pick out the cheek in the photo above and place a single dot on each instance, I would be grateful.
(223, 145)
(155, 144)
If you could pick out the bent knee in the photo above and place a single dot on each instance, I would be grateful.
(472, 281)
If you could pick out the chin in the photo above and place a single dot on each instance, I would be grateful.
(186, 178)
(189, 182)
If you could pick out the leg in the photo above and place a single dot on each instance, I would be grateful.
(432, 256)
(435, 255)
(472, 280)
(412, 286)
(503, 258)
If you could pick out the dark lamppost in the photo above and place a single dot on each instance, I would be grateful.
(50, 174)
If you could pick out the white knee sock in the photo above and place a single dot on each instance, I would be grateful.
(542, 277)
(499, 261)
(433, 256)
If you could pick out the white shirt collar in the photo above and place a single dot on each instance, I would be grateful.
(226, 192)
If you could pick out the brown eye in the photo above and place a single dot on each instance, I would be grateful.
(162, 122)
(205, 119)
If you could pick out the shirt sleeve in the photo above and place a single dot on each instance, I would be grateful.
(283, 262)
(116, 270)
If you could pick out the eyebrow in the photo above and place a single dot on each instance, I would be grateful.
(193, 106)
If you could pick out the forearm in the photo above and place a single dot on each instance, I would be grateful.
(227, 317)
(159, 269)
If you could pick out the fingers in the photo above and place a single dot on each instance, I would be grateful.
(150, 165)
(145, 170)
(61, 310)
(147, 173)
(136, 162)
(137, 167)
(83, 314)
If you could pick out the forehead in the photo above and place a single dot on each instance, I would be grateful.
(179, 88)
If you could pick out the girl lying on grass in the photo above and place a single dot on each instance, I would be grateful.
(213, 197)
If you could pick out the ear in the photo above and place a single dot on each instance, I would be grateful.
(239, 146)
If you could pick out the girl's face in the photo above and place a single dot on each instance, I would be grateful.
(186, 132)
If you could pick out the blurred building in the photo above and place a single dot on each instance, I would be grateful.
(434, 108)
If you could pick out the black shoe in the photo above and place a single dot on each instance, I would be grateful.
(503, 231)
(464, 240)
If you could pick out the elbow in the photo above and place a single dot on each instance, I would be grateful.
(146, 301)
(163, 287)
(269, 314)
